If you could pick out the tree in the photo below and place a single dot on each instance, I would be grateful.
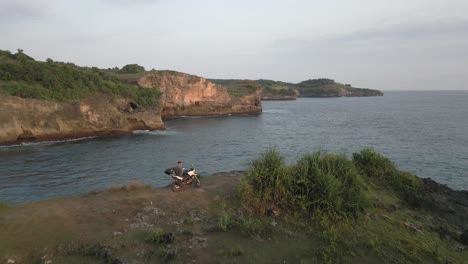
(132, 68)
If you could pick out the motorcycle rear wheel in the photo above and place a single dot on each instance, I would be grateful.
(175, 187)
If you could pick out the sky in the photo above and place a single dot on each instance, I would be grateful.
(386, 45)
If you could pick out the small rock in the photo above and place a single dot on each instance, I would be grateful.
(116, 233)
(12, 261)
(273, 223)
(464, 237)
(199, 242)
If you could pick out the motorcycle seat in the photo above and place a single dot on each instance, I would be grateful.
(177, 177)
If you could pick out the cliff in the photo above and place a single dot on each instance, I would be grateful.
(31, 120)
(189, 95)
(51, 100)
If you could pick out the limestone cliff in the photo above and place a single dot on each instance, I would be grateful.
(188, 95)
(30, 120)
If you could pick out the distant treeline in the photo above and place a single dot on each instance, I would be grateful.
(21, 75)
(310, 88)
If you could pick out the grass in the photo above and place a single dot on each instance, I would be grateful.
(239, 88)
(352, 206)
(133, 186)
(378, 168)
(317, 184)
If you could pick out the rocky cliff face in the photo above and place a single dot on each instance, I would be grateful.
(188, 95)
(30, 120)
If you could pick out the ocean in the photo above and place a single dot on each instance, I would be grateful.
(423, 132)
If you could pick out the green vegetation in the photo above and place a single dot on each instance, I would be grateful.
(309, 88)
(132, 68)
(158, 236)
(348, 209)
(329, 88)
(21, 75)
(273, 88)
(317, 184)
(239, 88)
(380, 169)
(323, 208)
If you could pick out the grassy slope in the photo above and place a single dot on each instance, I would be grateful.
(21, 75)
(213, 225)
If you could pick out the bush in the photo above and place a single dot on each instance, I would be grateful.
(317, 184)
(132, 68)
(158, 236)
(374, 165)
(383, 171)
(327, 184)
(265, 183)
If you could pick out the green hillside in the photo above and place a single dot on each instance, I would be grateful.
(329, 88)
(21, 75)
(309, 88)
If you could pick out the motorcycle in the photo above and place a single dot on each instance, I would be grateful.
(188, 178)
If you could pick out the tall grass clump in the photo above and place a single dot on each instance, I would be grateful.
(327, 184)
(264, 185)
(382, 171)
(316, 184)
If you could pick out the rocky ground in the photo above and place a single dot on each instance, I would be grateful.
(141, 224)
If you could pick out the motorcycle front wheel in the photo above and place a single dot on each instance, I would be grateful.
(197, 183)
(175, 187)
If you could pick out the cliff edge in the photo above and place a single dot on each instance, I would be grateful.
(31, 120)
(188, 95)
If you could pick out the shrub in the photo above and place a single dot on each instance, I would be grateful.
(317, 184)
(327, 184)
(264, 184)
(373, 164)
(158, 236)
(132, 68)
(383, 171)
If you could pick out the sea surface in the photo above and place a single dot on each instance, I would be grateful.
(424, 132)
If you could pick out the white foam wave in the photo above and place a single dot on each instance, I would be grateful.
(155, 132)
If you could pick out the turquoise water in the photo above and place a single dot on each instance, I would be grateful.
(422, 132)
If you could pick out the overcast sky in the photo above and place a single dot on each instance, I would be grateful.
(387, 45)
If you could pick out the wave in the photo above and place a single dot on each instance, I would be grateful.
(156, 132)
(44, 143)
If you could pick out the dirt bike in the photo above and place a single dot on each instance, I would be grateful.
(188, 178)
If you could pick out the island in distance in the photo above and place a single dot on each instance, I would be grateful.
(323, 87)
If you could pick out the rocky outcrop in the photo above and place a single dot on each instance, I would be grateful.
(188, 95)
(30, 120)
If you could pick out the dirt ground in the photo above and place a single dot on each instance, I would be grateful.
(120, 219)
